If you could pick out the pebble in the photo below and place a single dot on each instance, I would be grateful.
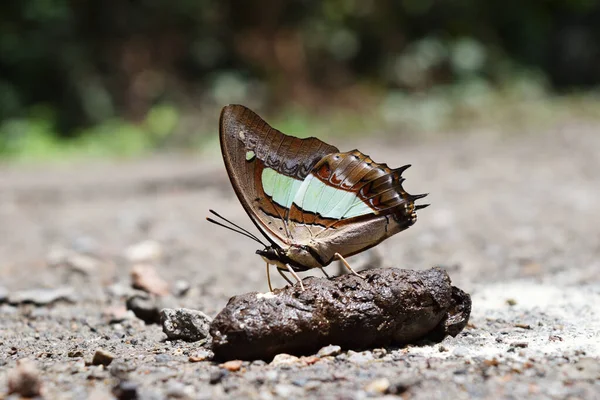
(24, 379)
(217, 376)
(42, 296)
(148, 250)
(201, 355)
(331, 350)
(125, 390)
(102, 357)
(185, 324)
(145, 308)
(284, 359)
(146, 278)
(162, 358)
(232, 366)
(359, 358)
(380, 385)
(181, 288)
(116, 314)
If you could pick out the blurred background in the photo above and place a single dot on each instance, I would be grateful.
(81, 79)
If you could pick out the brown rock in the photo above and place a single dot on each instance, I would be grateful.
(387, 306)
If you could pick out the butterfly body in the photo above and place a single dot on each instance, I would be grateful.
(311, 201)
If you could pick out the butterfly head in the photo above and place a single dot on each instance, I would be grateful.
(273, 255)
(299, 257)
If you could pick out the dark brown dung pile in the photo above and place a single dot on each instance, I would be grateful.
(389, 306)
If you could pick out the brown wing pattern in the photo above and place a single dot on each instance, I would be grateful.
(249, 145)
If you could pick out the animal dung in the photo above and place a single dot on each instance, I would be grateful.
(387, 306)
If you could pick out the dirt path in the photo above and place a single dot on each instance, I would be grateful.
(515, 221)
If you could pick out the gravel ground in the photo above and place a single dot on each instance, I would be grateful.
(514, 221)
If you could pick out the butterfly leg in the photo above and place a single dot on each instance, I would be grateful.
(324, 273)
(343, 260)
(295, 275)
(285, 277)
(269, 278)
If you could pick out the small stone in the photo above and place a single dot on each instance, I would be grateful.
(360, 358)
(217, 376)
(232, 366)
(24, 379)
(442, 348)
(42, 296)
(162, 358)
(185, 324)
(125, 390)
(116, 314)
(331, 350)
(201, 355)
(145, 251)
(102, 357)
(181, 288)
(511, 302)
(461, 351)
(284, 359)
(380, 385)
(145, 308)
(145, 277)
(83, 264)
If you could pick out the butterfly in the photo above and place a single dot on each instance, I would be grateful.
(313, 203)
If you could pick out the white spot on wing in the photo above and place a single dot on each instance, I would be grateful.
(242, 135)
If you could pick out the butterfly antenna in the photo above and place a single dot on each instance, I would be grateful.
(239, 229)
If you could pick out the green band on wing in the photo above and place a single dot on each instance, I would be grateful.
(279, 187)
(329, 202)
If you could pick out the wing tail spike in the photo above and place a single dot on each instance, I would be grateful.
(403, 168)
(418, 196)
(421, 206)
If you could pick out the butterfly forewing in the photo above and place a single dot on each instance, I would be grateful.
(266, 168)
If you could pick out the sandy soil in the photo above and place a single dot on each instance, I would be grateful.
(514, 220)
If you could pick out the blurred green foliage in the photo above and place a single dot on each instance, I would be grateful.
(122, 77)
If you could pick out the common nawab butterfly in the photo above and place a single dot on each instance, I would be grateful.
(312, 203)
